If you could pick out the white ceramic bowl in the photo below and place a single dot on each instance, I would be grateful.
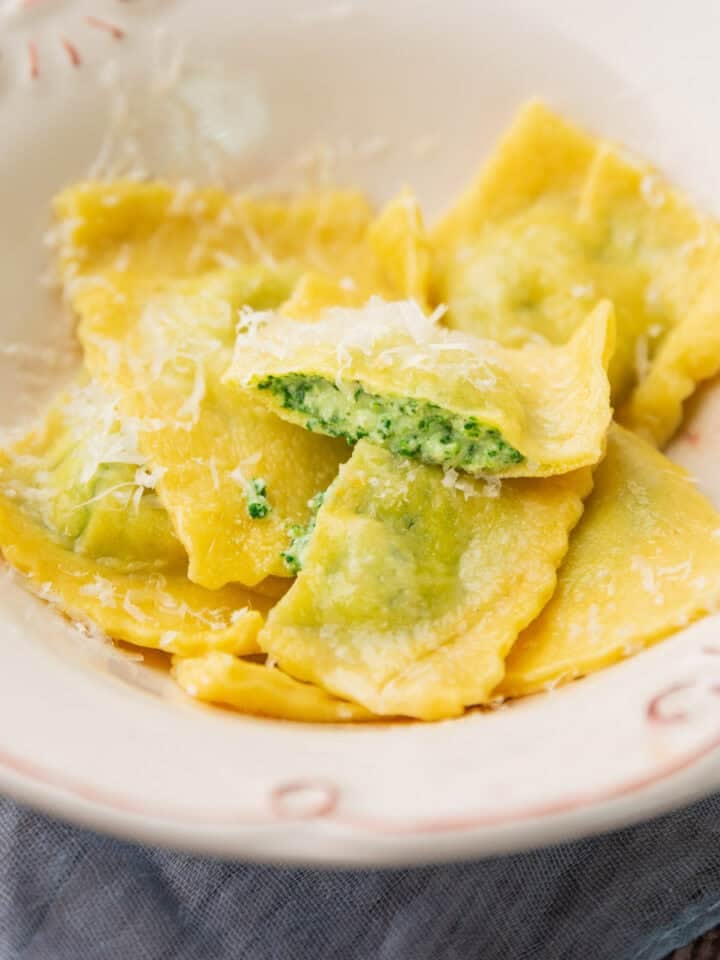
(373, 93)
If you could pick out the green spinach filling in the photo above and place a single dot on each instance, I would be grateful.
(408, 427)
(258, 505)
(301, 533)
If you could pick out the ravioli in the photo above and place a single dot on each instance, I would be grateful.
(396, 266)
(557, 220)
(662, 261)
(121, 242)
(157, 232)
(110, 311)
(389, 374)
(256, 688)
(402, 250)
(541, 157)
(509, 254)
(271, 391)
(643, 562)
(415, 584)
(79, 517)
(83, 475)
(124, 240)
(215, 454)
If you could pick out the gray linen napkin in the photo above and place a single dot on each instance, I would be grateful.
(638, 894)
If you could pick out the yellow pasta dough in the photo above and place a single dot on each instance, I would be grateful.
(160, 610)
(660, 261)
(395, 264)
(508, 258)
(415, 584)
(270, 388)
(214, 453)
(643, 561)
(390, 374)
(402, 250)
(556, 221)
(121, 242)
(158, 232)
(82, 474)
(79, 517)
(255, 688)
(542, 157)
(109, 311)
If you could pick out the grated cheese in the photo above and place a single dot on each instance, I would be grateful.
(212, 466)
(102, 589)
(135, 612)
(122, 260)
(652, 190)
(168, 62)
(251, 321)
(226, 260)
(182, 195)
(189, 412)
(493, 486)
(148, 477)
(167, 639)
(93, 419)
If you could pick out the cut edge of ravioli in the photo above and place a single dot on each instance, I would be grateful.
(208, 446)
(389, 374)
(643, 562)
(258, 689)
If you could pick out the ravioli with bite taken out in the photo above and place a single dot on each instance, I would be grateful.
(391, 375)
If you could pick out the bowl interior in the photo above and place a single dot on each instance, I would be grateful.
(375, 95)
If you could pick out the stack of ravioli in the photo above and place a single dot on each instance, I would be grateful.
(338, 467)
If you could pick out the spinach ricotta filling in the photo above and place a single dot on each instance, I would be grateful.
(258, 505)
(300, 534)
(406, 426)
